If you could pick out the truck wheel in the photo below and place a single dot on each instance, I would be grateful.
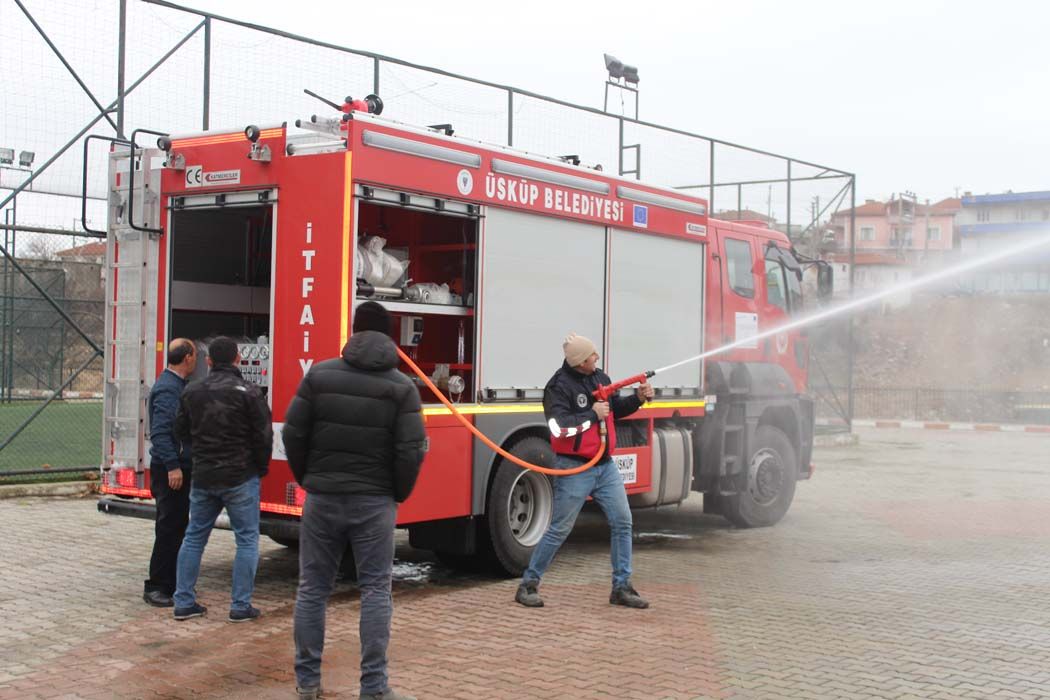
(772, 472)
(520, 505)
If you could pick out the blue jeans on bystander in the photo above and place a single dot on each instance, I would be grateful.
(242, 507)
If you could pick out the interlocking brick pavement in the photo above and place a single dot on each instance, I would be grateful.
(914, 565)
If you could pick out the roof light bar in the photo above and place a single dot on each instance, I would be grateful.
(659, 200)
(554, 177)
(422, 149)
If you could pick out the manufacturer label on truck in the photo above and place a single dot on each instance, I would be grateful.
(196, 177)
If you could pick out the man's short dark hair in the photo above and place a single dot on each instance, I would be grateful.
(179, 351)
(223, 351)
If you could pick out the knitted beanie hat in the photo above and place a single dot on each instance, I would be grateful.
(371, 316)
(577, 349)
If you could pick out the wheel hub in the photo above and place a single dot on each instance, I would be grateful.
(529, 508)
(765, 476)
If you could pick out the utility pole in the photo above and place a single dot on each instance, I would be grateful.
(815, 236)
(926, 238)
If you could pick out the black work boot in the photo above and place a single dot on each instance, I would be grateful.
(627, 597)
(388, 694)
(158, 599)
(528, 596)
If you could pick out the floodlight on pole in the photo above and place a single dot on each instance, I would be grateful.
(7, 156)
(25, 159)
(623, 77)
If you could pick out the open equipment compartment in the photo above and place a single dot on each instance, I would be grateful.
(418, 257)
(220, 275)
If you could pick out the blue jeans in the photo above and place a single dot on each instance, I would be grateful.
(604, 483)
(242, 506)
(332, 522)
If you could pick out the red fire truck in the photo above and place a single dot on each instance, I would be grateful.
(487, 258)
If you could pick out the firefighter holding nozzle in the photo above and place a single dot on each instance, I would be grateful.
(574, 418)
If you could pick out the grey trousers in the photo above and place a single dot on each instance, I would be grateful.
(330, 523)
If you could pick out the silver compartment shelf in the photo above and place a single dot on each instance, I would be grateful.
(407, 307)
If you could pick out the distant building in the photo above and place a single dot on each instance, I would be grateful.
(992, 222)
(913, 232)
(874, 272)
(90, 252)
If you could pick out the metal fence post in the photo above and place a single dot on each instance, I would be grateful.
(852, 278)
(619, 150)
(510, 117)
(711, 180)
(121, 55)
(206, 117)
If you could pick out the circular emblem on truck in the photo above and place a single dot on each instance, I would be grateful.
(581, 400)
(465, 182)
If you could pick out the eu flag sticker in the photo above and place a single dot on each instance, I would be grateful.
(641, 216)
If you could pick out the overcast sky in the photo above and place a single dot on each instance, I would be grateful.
(928, 96)
(922, 95)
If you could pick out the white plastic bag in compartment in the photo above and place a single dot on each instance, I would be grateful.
(375, 265)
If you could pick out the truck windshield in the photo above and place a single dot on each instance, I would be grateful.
(775, 292)
(783, 287)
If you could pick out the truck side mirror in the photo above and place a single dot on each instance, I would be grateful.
(825, 280)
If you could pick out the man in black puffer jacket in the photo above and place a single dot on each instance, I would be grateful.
(355, 441)
(228, 422)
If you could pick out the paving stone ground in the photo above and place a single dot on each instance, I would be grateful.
(914, 565)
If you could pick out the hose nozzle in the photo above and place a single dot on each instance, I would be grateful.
(603, 393)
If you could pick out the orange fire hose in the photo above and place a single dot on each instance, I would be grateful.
(499, 450)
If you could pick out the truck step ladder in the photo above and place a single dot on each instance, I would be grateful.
(131, 322)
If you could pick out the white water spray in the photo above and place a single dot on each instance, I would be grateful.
(864, 301)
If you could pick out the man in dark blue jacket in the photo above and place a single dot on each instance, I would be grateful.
(169, 472)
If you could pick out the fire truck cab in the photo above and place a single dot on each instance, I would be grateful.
(487, 258)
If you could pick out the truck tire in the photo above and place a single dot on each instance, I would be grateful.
(771, 476)
(519, 507)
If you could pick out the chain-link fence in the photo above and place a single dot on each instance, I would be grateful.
(181, 71)
(50, 279)
(955, 405)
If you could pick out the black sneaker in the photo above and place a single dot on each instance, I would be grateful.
(313, 693)
(195, 610)
(528, 596)
(158, 599)
(251, 613)
(627, 597)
